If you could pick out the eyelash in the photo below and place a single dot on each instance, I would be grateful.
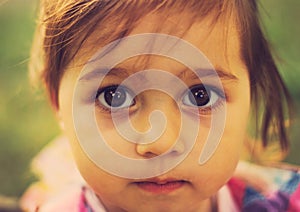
(207, 110)
(215, 107)
(222, 98)
(100, 106)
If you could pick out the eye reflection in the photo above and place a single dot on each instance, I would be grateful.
(115, 97)
(119, 97)
(201, 96)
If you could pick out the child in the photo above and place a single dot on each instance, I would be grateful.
(155, 98)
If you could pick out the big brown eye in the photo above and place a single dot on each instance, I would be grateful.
(200, 96)
(115, 97)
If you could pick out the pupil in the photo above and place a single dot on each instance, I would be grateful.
(199, 96)
(115, 97)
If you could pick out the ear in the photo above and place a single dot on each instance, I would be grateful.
(59, 119)
(61, 125)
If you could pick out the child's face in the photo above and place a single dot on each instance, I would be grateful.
(189, 185)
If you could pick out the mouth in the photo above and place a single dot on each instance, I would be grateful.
(161, 186)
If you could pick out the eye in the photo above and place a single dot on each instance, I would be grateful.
(201, 97)
(115, 97)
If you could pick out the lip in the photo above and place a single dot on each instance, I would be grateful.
(161, 186)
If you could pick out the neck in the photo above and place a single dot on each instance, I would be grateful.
(209, 205)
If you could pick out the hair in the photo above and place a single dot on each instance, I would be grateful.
(65, 25)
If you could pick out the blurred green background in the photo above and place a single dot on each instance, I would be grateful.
(27, 122)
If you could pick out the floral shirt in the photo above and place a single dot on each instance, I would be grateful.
(281, 191)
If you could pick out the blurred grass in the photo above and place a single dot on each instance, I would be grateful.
(281, 21)
(26, 121)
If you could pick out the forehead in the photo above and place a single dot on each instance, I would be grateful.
(218, 41)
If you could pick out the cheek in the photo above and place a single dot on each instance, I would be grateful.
(218, 170)
(209, 177)
(92, 174)
(89, 171)
(105, 185)
(115, 139)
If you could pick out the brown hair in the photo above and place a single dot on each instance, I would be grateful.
(66, 24)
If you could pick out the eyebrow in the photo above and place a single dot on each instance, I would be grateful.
(223, 75)
(94, 74)
(123, 73)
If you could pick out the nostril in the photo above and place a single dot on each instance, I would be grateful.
(178, 148)
(145, 151)
(157, 148)
(149, 155)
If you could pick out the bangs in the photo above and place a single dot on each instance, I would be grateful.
(116, 19)
(67, 25)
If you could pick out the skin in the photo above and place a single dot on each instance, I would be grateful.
(201, 181)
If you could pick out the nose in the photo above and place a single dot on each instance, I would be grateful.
(169, 137)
